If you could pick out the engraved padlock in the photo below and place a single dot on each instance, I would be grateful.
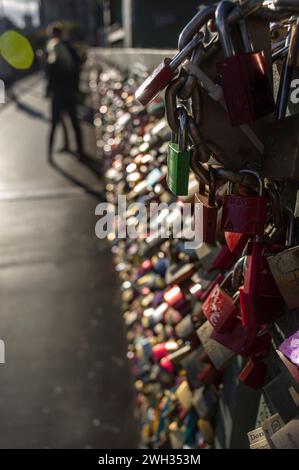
(220, 307)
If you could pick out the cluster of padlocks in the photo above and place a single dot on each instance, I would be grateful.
(212, 326)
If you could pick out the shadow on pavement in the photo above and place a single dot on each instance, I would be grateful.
(92, 166)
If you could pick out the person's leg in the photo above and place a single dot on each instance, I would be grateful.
(66, 145)
(56, 112)
(72, 111)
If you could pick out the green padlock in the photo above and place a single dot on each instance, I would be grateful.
(178, 161)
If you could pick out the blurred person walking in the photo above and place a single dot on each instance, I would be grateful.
(63, 74)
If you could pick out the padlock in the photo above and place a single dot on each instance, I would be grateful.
(290, 348)
(166, 364)
(260, 294)
(178, 160)
(161, 350)
(245, 214)
(283, 396)
(172, 316)
(203, 295)
(271, 425)
(164, 73)
(281, 156)
(288, 73)
(243, 340)
(218, 353)
(288, 436)
(178, 356)
(192, 366)
(285, 269)
(209, 375)
(243, 76)
(205, 400)
(185, 329)
(206, 212)
(244, 337)
(184, 395)
(254, 373)
(220, 308)
(174, 296)
(292, 368)
(207, 430)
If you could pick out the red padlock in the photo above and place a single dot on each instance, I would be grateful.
(260, 294)
(163, 349)
(243, 337)
(245, 214)
(205, 212)
(205, 294)
(156, 82)
(254, 373)
(243, 341)
(220, 308)
(164, 73)
(173, 296)
(243, 76)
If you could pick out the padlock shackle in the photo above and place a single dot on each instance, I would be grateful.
(291, 229)
(171, 103)
(190, 84)
(222, 11)
(238, 273)
(183, 129)
(200, 172)
(212, 186)
(207, 13)
(260, 180)
(199, 145)
(197, 105)
(276, 204)
(228, 278)
(184, 53)
(195, 25)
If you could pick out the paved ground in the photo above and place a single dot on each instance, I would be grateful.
(66, 381)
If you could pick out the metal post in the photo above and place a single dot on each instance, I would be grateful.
(106, 20)
(127, 22)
